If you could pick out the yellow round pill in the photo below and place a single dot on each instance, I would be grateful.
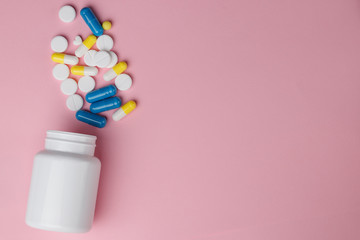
(106, 25)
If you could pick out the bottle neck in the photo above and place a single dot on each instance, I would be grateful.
(70, 142)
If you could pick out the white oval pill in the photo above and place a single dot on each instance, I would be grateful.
(74, 102)
(102, 59)
(104, 43)
(89, 58)
(67, 13)
(77, 41)
(59, 44)
(69, 86)
(61, 71)
(114, 59)
(86, 84)
(123, 82)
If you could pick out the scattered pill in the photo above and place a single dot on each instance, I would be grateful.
(102, 59)
(64, 58)
(105, 43)
(124, 110)
(85, 46)
(123, 82)
(61, 71)
(113, 61)
(67, 13)
(91, 118)
(59, 44)
(69, 86)
(116, 70)
(101, 93)
(106, 25)
(102, 99)
(77, 41)
(74, 102)
(90, 19)
(82, 70)
(89, 58)
(86, 84)
(105, 105)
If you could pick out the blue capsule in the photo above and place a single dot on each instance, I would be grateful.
(105, 105)
(91, 118)
(90, 19)
(101, 93)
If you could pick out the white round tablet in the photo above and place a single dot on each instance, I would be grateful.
(67, 13)
(61, 71)
(89, 58)
(102, 59)
(59, 44)
(123, 82)
(114, 59)
(74, 102)
(69, 86)
(86, 84)
(77, 41)
(105, 43)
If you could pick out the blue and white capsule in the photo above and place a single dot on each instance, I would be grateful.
(91, 20)
(91, 118)
(101, 93)
(105, 105)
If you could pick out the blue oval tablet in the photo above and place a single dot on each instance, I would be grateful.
(105, 105)
(90, 19)
(91, 118)
(101, 93)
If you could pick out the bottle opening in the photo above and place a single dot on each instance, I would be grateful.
(70, 142)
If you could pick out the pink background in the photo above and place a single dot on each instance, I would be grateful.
(247, 126)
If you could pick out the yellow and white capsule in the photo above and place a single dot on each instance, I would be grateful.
(85, 46)
(82, 70)
(116, 70)
(64, 58)
(124, 110)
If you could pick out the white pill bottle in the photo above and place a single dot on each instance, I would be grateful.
(64, 183)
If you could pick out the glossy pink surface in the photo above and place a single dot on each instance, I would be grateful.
(247, 126)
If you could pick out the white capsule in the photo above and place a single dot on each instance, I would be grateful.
(82, 70)
(81, 50)
(118, 114)
(85, 45)
(110, 74)
(64, 58)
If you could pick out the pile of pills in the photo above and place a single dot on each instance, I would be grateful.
(102, 99)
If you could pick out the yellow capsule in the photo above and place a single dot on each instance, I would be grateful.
(82, 70)
(116, 70)
(106, 25)
(64, 58)
(124, 110)
(85, 45)
(90, 41)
